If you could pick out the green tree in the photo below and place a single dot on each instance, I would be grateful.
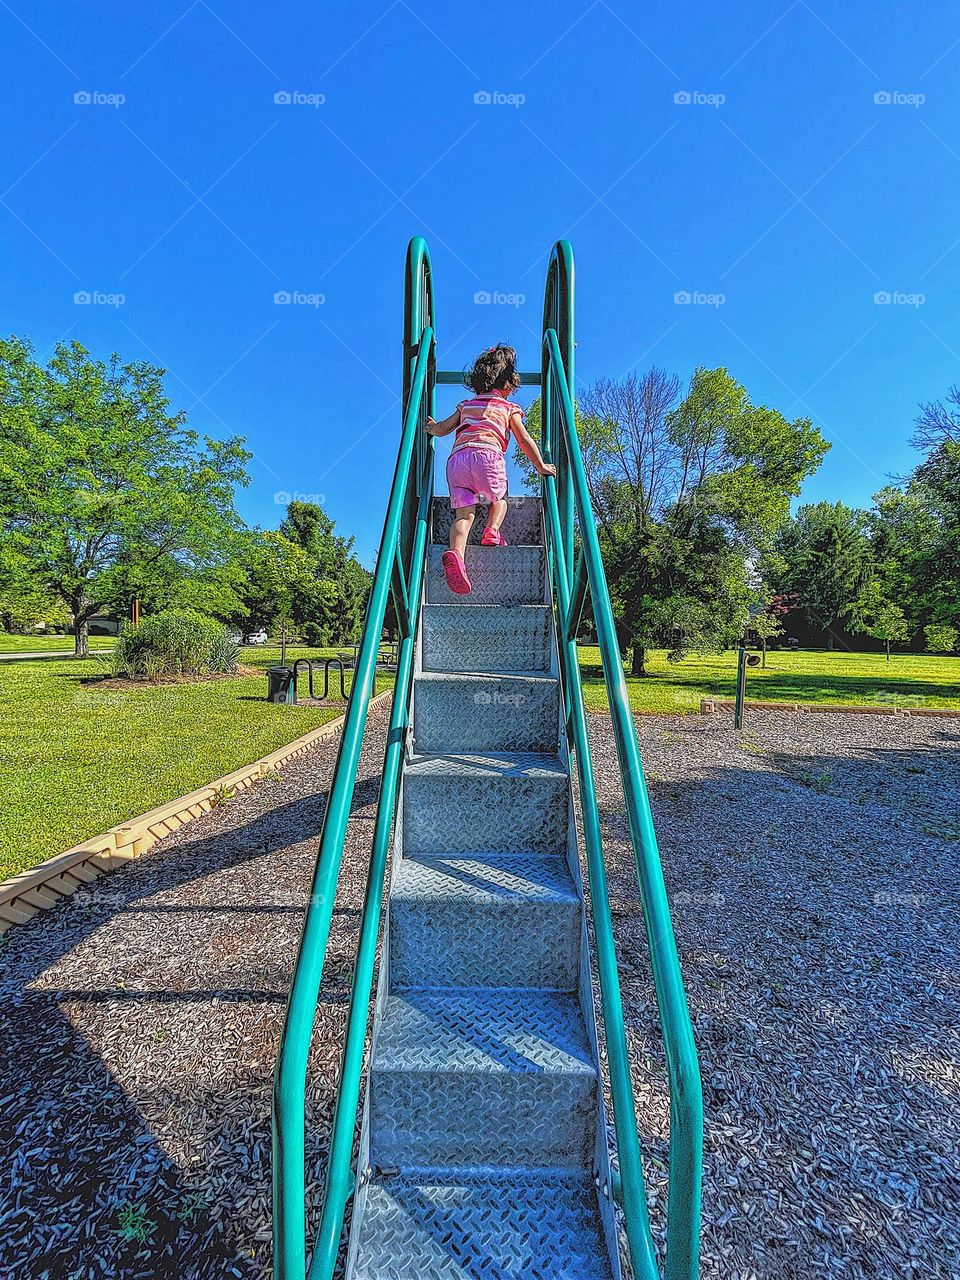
(104, 490)
(766, 626)
(874, 615)
(686, 491)
(938, 421)
(940, 639)
(274, 575)
(25, 603)
(916, 539)
(331, 607)
(826, 560)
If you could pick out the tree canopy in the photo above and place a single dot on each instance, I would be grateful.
(105, 493)
(688, 492)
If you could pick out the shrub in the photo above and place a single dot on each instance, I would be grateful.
(940, 639)
(224, 653)
(175, 642)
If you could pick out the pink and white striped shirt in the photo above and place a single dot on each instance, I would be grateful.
(489, 414)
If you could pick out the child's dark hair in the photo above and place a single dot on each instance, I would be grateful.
(495, 369)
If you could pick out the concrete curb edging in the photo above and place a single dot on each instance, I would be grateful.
(26, 894)
(710, 705)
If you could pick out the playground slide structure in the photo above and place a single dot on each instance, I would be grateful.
(486, 1149)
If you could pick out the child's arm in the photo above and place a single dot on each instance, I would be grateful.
(529, 446)
(446, 426)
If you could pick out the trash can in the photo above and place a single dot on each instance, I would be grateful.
(281, 686)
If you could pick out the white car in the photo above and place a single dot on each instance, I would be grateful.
(257, 637)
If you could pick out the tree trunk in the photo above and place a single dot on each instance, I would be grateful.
(81, 636)
(637, 667)
(763, 646)
(888, 650)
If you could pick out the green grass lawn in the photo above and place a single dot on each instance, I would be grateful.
(77, 758)
(808, 675)
(51, 644)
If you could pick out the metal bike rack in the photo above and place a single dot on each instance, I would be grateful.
(327, 663)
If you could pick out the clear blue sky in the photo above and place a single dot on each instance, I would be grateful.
(798, 198)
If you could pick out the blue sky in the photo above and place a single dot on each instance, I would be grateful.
(780, 184)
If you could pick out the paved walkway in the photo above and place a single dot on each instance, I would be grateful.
(43, 653)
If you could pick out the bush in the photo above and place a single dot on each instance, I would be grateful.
(940, 639)
(175, 642)
(224, 653)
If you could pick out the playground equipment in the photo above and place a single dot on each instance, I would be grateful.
(485, 1145)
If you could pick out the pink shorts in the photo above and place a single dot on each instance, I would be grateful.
(476, 472)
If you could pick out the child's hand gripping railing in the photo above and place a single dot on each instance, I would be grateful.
(686, 1103)
(406, 524)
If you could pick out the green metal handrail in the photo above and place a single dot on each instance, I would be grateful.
(408, 508)
(400, 572)
(563, 496)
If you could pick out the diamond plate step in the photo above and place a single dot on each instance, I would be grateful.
(448, 800)
(499, 575)
(489, 920)
(521, 528)
(469, 713)
(486, 637)
(537, 1228)
(482, 1079)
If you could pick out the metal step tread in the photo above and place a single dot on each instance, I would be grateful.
(449, 796)
(486, 765)
(503, 878)
(522, 524)
(518, 1032)
(543, 1227)
(450, 609)
(487, 637)
(486, 677)
(474, 543)
(500, 576)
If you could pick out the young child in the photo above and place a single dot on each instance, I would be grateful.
(476, 469)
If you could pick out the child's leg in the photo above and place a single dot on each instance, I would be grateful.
(496, 514)
(454, 569)
(460, 529)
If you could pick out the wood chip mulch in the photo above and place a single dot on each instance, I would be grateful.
(812, 868)
(811, 863)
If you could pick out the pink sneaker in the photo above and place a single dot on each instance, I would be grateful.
(456, 573)
(493, 538)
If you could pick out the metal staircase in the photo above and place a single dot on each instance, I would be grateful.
(484, 1140)
(484, 1150)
